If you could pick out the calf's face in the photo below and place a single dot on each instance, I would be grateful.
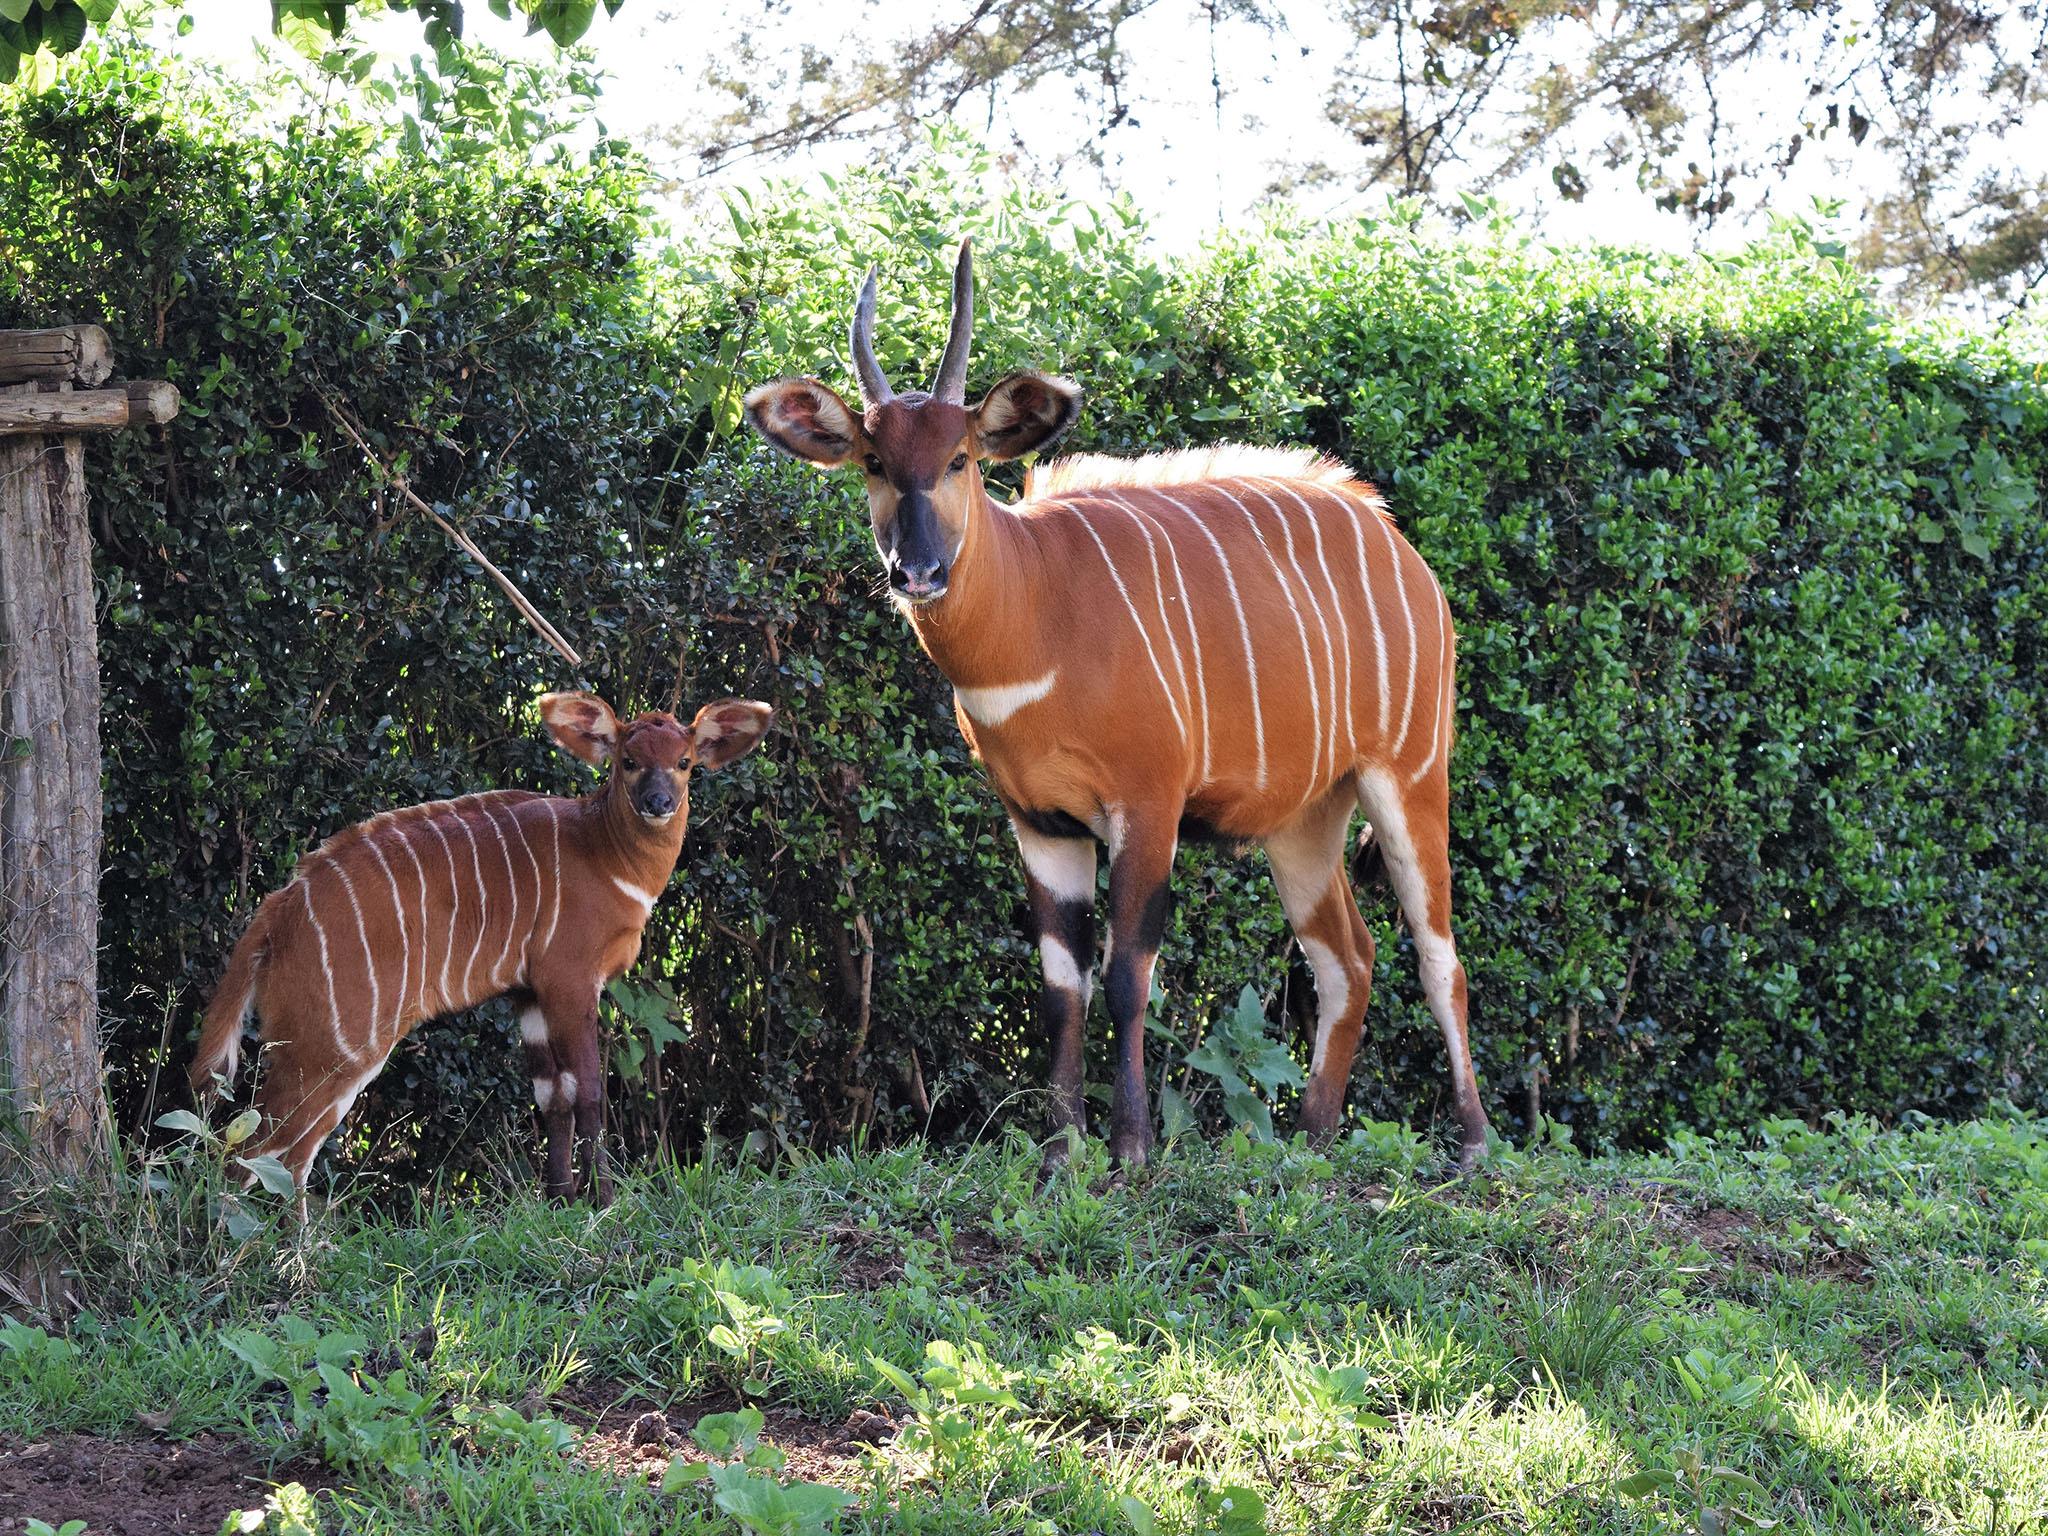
(652, 754)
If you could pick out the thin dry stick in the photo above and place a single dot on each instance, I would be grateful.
(397, 482)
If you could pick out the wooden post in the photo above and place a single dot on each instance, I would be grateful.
(53, 1114)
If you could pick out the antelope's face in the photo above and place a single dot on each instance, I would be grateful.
(652, 754)
(921, 452)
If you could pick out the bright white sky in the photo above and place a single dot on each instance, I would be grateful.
(1183, 168)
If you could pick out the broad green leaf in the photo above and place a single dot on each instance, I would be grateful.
(182, 1120)
(271, 1174)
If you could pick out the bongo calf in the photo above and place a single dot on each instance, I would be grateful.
(435, 908)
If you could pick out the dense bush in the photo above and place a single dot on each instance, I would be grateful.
(1751, 793)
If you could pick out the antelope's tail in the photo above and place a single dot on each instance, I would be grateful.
(220, 1039)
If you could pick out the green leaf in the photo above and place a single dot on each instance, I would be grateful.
(242, 1127)
(272, 1175)
(1138, 1515)
(1176, 1115)
(15, 10)
(183, 1120)
(681, 1473)
(64, 28)
(1645, 1483)
(565, 20)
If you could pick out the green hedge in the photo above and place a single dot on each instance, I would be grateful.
(1750, 795)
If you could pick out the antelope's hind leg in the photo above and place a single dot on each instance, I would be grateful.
(1412, 826)
(303, 1095)
(1307, 857)
(1060, 876)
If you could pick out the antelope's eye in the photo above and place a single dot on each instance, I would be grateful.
(874, 464)
(959, 463)
(628, 764)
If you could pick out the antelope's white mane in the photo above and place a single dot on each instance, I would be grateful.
(1185, 466)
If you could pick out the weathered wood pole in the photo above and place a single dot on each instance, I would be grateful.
(53, 1118)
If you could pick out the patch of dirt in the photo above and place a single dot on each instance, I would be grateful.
(1730, 1237)
(138, 1487)
(630, 1435)
(867, 1260)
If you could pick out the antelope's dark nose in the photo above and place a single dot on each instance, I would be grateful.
(918, 580)
(657, 802)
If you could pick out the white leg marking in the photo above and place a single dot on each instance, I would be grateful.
(1159, 594)
(1315, 607)
(1144, 634)
(565, 1084)
(1061, 968)
(1436, 955)
(1187, 612)
(404, 938)
(447, 999)
(369, 956)
(1333, 994)
(1308, 665)
(533, 1027)
(543, 1093)
(644, 898)
(992, 706)
(1244, 632)
(1065, 866)
(327, 971)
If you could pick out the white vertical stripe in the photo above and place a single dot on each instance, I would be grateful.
(498, 977)
(483, 901)
(1372, 607)
(446, 999)
(1132, 608)
(555, 855)
(1343, 622)
(1159, 592)
(1308, 665)
(1244, 632)
(1322, 624)
(327, 970)
(404, 937)
(1414, 659)
(369, 955)
(1187, 610)
(533, 923)
(1440, 732)
(419, 1001)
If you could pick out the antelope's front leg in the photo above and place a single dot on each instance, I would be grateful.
(1060, 874)
(1141, 864)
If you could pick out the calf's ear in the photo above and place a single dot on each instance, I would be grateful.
(582, 724)
(1025, 412)
(728, 730)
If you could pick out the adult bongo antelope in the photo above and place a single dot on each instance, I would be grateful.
(1234, 643)
(438, 907)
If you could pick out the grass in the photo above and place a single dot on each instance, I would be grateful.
(1840, 1329)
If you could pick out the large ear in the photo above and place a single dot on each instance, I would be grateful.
(1024, 413)
(582, 724)
(728, 730)
(804, 418)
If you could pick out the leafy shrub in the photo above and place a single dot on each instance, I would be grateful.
(1750, 800)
